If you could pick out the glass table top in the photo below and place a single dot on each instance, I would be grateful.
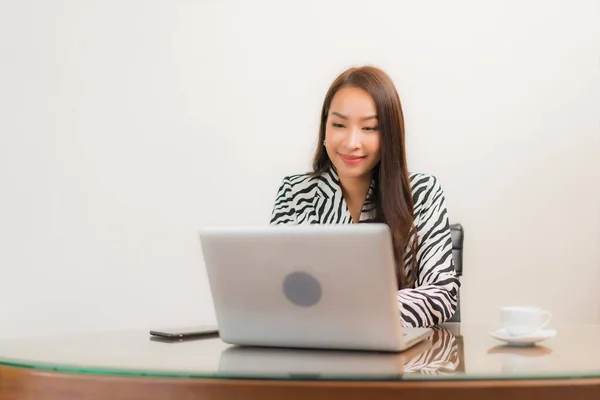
(454, 351)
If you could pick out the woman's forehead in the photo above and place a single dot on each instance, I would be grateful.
(353, 102)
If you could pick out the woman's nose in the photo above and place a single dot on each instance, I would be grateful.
(353, 140)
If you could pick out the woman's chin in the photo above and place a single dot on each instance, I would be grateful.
(352, 173)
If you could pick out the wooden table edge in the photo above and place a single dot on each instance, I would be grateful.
(26, 383)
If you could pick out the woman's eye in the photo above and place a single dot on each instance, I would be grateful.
(337, 125)
(370, 128)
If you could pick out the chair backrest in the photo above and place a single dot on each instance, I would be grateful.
(458, 235)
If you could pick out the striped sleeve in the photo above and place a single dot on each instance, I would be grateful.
(283, 210)
(434, 298)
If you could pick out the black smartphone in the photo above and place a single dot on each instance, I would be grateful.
(187, 333)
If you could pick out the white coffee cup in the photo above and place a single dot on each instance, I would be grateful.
(520, 321)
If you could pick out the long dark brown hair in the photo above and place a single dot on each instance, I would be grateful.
(393, 196)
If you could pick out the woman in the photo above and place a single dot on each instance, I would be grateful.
(360, 175)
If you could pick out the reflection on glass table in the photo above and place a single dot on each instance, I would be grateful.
(439, 354)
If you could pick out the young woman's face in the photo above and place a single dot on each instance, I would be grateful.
(352, 137)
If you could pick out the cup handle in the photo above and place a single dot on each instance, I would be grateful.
(547, 316)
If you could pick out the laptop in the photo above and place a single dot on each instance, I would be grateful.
(320, 286)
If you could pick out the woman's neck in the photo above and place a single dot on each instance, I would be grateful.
(355, 192)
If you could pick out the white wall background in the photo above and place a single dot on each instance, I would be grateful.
(126, 125)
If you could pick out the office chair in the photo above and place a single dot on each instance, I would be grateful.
(457, 254)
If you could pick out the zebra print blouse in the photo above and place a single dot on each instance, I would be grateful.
(306, 199)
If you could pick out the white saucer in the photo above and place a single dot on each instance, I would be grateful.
(525, 340)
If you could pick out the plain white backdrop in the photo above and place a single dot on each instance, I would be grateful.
(127, 125)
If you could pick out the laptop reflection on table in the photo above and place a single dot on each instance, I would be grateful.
(289, 363)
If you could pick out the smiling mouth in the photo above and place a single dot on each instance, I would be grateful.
(352, 160)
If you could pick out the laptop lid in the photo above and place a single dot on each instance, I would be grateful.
(319, 286)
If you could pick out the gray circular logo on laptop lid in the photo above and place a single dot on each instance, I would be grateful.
(302, 289)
